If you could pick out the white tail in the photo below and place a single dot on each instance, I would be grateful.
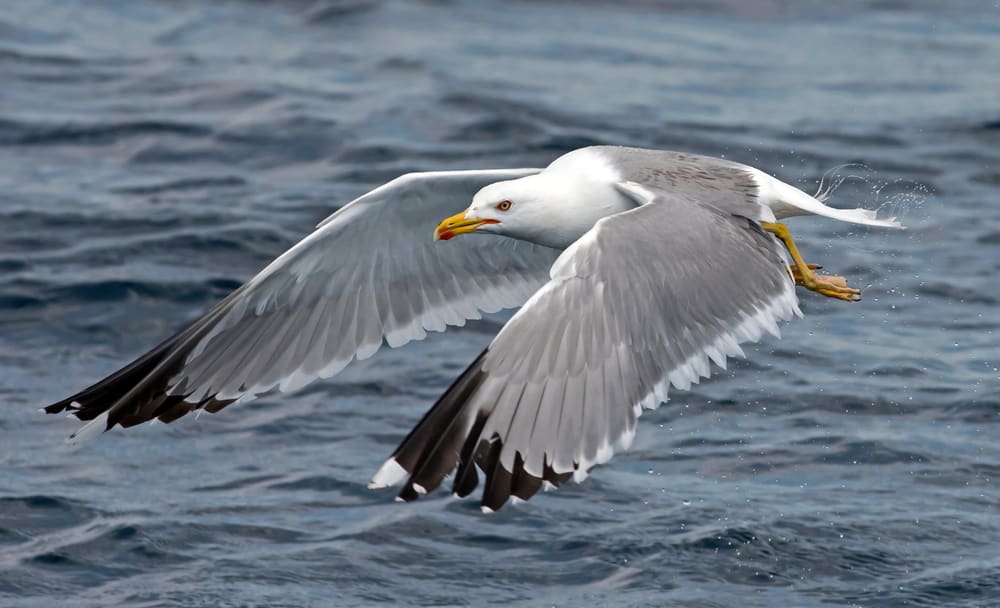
(788, 201)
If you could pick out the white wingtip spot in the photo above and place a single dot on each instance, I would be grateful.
(486, 509)
(90, 430)
(389, 474)
(419, 489)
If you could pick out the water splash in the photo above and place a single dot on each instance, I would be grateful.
(900, 198)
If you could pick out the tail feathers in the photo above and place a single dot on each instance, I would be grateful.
(860, 215)
(788, 201)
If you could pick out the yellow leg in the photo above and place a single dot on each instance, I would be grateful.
(829, 286)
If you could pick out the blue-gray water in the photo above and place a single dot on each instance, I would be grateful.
(153, 155)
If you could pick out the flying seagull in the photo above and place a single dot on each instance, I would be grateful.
(634, 269)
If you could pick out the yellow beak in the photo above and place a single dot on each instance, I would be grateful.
(458, 224)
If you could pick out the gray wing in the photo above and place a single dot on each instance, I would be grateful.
(370, 272)
(643, 301)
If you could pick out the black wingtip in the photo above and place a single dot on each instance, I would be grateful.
(523, 485)
(433, 448)
(138, 392)
(466, 477)
(496, 490)
(501, 484)
(450, 435)
(58, 407)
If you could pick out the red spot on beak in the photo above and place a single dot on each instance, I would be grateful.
(446, 235)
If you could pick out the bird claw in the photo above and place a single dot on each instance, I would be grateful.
(831, 286)
(834, 287)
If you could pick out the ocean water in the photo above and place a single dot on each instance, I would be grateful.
(154, 155)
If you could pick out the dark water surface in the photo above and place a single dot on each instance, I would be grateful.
(154, 155)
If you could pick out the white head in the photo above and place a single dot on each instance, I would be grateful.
(549, 208)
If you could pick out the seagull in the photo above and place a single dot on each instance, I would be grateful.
(634, 270)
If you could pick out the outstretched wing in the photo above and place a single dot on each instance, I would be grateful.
(644, 300)
(370, 272)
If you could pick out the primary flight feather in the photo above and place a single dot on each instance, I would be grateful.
(634, 269)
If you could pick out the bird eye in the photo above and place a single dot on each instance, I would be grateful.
(503, 205)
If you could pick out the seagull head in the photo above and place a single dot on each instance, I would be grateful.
(545, 208)
(498, 208)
